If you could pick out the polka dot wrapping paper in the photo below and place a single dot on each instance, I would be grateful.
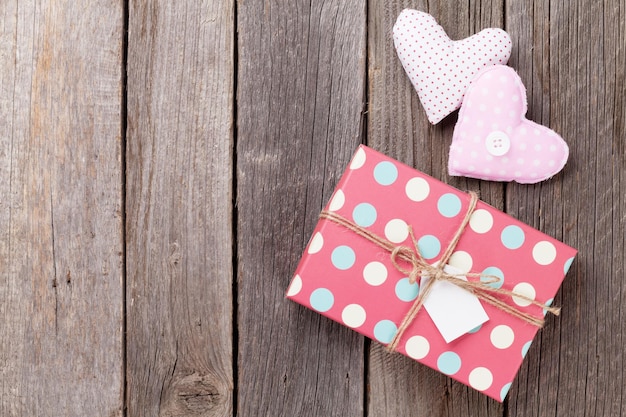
(350, 280)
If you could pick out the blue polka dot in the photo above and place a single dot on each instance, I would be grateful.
(548, 303)
(406, 291)
(322, 299)
(475, 329)
(449, 205)
(567, 265)
(525, 348)
(343, 257)
(385, 330)
(385, 173)
(496, 272)
(505, 390)
(429, 246)
(364, 214)
(512, 237)
(449, 363)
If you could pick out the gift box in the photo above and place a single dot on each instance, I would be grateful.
(349, 276)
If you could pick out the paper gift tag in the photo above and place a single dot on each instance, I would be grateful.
(454, 311)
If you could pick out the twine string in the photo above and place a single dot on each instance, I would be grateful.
(482, 288)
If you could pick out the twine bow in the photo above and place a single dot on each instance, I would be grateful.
(420, 267)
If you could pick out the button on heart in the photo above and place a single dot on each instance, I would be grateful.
(494, 141)
(439, 68)
(497, 143)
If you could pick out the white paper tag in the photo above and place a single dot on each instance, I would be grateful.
(453, 310)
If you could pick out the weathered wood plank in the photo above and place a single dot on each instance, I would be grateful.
(179, 208)
(571, 57)
(398, 127)
(301, 86)
(61, 247)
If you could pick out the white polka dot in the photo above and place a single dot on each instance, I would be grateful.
(515, 98)
(481, 221)
(375, 273)
(520, 161)
(353, 315)
(525, 289)
(537, 148)
(417, 347)
(502, 336)
(544, 253)
(358, 160)
(461, 260)
(551, 162)
(295, 287)
(337, 201)
(536, 162)
(396, 230)
(417, 189)
(536, 132)
(316, 243)
(480, 378)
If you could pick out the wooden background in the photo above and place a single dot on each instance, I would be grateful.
(162, 165)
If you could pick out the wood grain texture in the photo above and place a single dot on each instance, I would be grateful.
(301, 86)
(302, 72)
(572, 57)
(398, 127)
(61, 239)
(179, 208)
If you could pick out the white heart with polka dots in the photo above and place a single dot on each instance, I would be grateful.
(439, 68)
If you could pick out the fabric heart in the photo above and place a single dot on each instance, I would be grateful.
(494, 141)
(441, 69)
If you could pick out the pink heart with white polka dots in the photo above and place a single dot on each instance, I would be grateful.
(439, 68)
(494, 141)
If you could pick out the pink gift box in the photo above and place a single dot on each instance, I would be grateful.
(349, 279)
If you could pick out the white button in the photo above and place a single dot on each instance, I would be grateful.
(497, 143)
